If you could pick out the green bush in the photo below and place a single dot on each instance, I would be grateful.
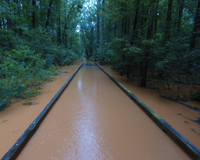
(21, 72)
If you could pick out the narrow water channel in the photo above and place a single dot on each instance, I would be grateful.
(94, 119)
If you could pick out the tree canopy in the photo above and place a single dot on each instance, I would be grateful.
(151, 39)
(137, 37)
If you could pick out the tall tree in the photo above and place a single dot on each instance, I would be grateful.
(102, 35)
(196, 28)
(180, 14)
(59, 25)
(149, 36)
(33, 13)
(134, 33)
(169, 20)
(8, 19)
(65, 27)
(98, 3)
(48, 15)
(156, 16)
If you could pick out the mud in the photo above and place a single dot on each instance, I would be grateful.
(94, 119)
(15, 119)
(175, 114)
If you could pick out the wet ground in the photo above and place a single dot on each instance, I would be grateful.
(15, 119)
(175, 114)
(94, 119)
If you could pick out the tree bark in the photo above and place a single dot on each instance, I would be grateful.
(48, 15)
(115, 30)
(59, 27)
(98, 2)
(156, 17)
(149, 36)
(65, 27)
(134, 34)
(92, 39)
(102, 36)
(169, 19)
(33, 13)
(180, 13)
(9, 22)
(196, 28)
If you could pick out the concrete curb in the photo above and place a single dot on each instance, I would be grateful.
(24, 138)
(174, 134)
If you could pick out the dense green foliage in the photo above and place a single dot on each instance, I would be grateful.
(35, 37)
(149, 39)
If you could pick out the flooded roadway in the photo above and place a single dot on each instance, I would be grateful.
(94, 119)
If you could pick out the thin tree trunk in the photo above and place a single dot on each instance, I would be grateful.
(3, 22)
(149, 35)
(196, 27)
(128, 21)
(59, 29)
(115, 30)
(92, 40)
(48, 15)
(102, 36)
(169, 19)
(134, 34)
(180, 13)
(98, 2)
(156, 17)
(33, 13)
(9, 22)
(195, 34)
(65, 27)
(109, 31)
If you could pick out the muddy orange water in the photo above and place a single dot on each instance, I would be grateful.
(15, 119)
(175, 114)
(94, 119)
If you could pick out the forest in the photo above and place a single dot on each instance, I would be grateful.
(157, 40)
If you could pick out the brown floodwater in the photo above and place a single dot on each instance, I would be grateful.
(94, 119)
(16, 119)
(177, 115)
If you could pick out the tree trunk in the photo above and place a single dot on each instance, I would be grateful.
(102, 36)
(128, 35)
(33, 13)
(196, 28)
(59, 29)
(92, 39)
(122, 69)
(98, 2)
(48, 15)
(109, 31)
(195, 34)
(149, 35)
(180, 13)
(169, 19)
(65, 27)
(156, 17)
(134, 34)
(9, 22)
(115, 30)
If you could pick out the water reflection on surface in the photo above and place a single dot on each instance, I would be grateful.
(94, 119)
